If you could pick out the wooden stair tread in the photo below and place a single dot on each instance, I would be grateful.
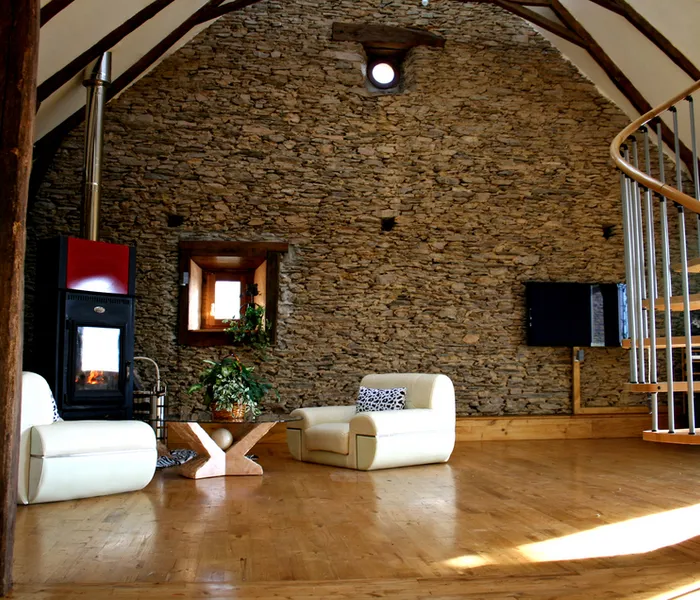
(676, 303)
(681, 436)
(693, 266)
(661, 386)
(676, 342)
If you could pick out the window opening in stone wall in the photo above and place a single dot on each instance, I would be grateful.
(385, 47)
(215, 281)
(227, 296)
(384, 72)
(221, 298)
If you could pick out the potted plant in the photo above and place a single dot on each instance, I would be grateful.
(249, 329)
(231, 389)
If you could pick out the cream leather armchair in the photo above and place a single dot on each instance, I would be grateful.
(66, 460)
(422, 433)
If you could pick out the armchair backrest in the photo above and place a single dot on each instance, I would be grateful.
(423, 390)
(37, 409)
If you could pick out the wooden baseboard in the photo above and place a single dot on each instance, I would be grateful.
(484, 429)
(564, 427)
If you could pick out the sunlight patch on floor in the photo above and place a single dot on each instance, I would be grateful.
(636, 536)
(686, 592)
(468, 561)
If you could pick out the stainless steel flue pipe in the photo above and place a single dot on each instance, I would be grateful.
(98, 77)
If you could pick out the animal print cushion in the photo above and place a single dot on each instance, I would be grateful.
(371, 399)
(56, 416)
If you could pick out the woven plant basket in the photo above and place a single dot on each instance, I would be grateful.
(236, 414)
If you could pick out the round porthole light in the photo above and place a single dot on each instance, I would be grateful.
(383, 75)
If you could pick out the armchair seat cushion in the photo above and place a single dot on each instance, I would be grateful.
(330, 437)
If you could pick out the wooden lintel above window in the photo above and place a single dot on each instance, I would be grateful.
(213, 248)
(385, 36)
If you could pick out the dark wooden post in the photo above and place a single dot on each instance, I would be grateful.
(19, 43)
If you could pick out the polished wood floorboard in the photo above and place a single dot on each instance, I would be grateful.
(523, 519)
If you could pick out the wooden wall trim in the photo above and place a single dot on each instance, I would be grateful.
(565, 427)
(19, 45)
(489, 429)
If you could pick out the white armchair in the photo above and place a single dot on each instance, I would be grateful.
(422, 433)
(78, 459)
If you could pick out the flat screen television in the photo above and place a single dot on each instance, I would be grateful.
(576, 314)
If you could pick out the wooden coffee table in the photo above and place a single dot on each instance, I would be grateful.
(212, 461)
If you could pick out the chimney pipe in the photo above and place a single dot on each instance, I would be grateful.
(97, 78)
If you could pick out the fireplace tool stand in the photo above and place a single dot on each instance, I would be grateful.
(151, 404)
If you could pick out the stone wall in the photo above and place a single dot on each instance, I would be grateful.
(493, 161)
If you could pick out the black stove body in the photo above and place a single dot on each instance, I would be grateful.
(84, 340)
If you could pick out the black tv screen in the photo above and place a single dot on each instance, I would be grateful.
(576, 314)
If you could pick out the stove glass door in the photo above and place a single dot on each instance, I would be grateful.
(97, 354)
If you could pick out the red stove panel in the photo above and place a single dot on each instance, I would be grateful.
(97, 266)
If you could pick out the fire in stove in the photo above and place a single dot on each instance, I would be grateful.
(97, 380)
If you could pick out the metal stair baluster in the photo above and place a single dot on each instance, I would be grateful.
(651, 284)
(666, 270)
(634, 292)
(639, 261)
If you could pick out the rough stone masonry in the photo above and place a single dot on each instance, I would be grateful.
(493, 161)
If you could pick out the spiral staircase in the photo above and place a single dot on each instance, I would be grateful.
(661, 225)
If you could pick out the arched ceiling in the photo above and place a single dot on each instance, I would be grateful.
(638, 52)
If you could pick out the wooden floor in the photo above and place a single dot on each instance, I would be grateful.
(523, 519)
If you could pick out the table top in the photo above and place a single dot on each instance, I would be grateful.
(204, 418)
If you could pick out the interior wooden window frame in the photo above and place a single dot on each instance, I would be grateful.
(209, 279)
(270, 252)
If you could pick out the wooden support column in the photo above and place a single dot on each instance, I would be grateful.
(575, 381)
(19, 43)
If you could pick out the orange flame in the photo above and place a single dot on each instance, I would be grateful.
(95, 377)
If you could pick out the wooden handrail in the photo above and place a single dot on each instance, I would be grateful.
(648, 181)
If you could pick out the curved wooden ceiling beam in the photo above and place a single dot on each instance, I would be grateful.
(224, 9)
(46, 147)
(610, 5)
(653, 35)
(77, 65)
(619, 7)
(534, 17)
(50, 10)
(48, 144)
(616, 75)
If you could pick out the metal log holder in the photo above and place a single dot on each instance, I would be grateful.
(151, 404)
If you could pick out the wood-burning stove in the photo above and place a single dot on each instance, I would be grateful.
(84, 340)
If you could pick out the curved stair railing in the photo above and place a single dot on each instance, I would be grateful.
(653, 244)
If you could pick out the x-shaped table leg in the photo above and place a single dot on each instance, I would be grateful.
(212, 461)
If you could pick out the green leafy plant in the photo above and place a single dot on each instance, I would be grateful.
(229, 382)
(250, 329)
